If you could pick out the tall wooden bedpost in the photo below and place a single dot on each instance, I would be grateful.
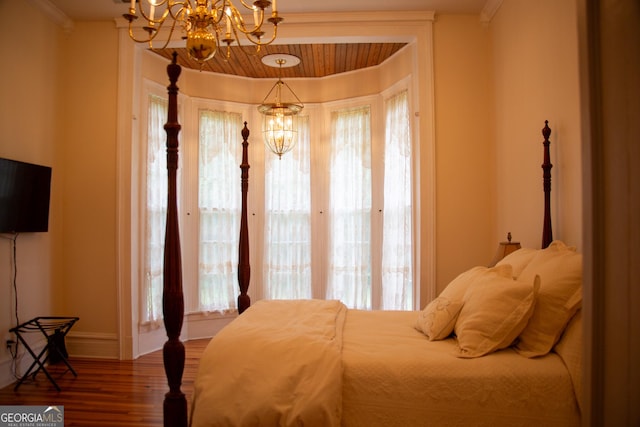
(244, 269)
(547, 233)
(175, 403)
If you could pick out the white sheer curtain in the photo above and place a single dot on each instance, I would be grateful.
(349, 276)
(219, 203)
(156, 210)
(287, 234)
(397, 271)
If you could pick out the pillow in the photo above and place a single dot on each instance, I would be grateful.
(437, 319)
(496, 309)
(519, 259)
(560, 269)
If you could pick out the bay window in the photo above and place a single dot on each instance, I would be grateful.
(336, 212)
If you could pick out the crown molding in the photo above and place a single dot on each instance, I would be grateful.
(56, 15)
(489, 10)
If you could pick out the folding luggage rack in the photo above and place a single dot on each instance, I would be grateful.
(54, 330)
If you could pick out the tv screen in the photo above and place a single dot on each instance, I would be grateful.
(24, 197)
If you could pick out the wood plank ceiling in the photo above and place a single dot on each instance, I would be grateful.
(316, 60)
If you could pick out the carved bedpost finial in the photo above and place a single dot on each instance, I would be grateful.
(546, 130)
(245, 132)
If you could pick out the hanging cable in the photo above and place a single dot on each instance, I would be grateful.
(14, 280)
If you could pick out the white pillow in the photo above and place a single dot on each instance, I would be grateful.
(437, 319)
(519, 259)
(560, 269)
(496, 309)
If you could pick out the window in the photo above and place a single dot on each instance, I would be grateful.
(349, 278)
(397, 253)
(357, 246)
(344, 233)
(287, 231)
(219, 156)
(156, 209)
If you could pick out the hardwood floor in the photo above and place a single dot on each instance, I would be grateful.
(107, 392)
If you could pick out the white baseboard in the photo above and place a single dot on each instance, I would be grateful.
(92, 345)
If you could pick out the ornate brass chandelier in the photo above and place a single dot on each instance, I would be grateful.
(206, 24)
(280, 117)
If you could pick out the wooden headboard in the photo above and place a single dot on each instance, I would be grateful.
(175, 404)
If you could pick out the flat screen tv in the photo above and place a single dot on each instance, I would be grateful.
(25, 191)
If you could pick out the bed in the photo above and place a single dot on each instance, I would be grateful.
(499, 346)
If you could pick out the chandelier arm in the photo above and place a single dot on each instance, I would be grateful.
(148, 17)
(234, 30)
(155, 25)
(183, 7)
(166, 42)
(240, 27)
(134, 38)
(239, 23)
(160, 21)
(152, 34)
(260, 41)
(248, 6)
(236, 18)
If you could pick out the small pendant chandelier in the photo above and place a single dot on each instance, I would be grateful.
(280, 117)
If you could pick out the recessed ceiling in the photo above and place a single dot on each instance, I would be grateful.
(317, 60)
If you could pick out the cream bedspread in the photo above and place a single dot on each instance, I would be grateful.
(313, 363)
(276, 365)
(394, 376)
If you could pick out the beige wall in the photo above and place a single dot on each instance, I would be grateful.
(58, 109)
(535, 73)
(465, 151)
(495, 85)
(89, 85)
(29, 122)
